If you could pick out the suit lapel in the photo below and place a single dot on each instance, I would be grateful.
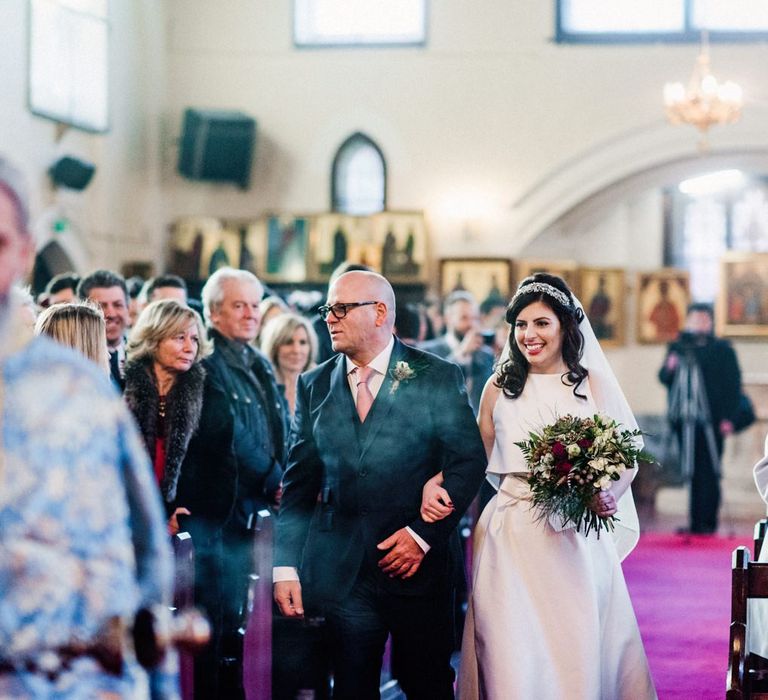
(343, 413)
(382, 406)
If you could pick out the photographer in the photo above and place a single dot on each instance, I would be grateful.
(702, 375)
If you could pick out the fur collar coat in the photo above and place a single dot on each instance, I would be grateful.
(184, 405)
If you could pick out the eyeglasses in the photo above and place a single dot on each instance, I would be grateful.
(339, 311)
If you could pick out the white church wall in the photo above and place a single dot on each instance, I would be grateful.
(120, 216)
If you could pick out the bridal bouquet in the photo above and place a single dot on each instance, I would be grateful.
(573, 459)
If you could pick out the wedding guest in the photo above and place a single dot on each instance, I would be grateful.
(410, 324)
(164, 390)
(135, 304)
(248, 446)
(80, 326)
(271, 307)
(290, 344)
(62, 289)
(110, 292)
(81, 527)
(373, 424)
(549, 615)
(164, 287)
(463, 343)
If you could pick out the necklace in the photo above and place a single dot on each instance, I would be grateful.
(161, 406)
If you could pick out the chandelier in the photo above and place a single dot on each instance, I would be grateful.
(705, 102)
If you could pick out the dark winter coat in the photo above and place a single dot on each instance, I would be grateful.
(184, 408)
(225, 466)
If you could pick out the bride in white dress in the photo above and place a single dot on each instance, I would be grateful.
(549, 616)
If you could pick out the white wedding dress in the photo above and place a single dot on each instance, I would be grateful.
(550, 616)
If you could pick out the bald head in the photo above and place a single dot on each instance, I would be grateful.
(365, 329)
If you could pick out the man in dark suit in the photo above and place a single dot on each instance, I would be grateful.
(464, 344)
(109, 291)
(373, 425)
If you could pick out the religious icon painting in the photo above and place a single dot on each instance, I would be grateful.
(487, 279)
(567, 269)
(742, 306)
(401, 238)
(279, 245)
(662, 300)
(201, 245)
(339, 238)
(251, 236)
(603, 295)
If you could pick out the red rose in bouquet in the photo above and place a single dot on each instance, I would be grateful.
(574, 458)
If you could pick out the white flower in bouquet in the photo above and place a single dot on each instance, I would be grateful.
(573, 459)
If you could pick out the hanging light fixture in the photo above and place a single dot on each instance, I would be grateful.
(705, 102)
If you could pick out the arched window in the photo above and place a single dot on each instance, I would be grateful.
(709, 215)
(359, 177)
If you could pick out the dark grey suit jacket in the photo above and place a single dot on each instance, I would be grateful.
(348, 485)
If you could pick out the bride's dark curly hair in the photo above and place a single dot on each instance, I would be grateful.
(512, 371)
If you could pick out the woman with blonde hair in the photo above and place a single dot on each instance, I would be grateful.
(80, 326)
(164, 384)
(290, 344)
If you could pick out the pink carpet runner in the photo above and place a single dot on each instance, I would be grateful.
(681, 590)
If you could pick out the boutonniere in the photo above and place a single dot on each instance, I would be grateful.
(401, 372)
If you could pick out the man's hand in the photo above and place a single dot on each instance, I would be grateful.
(470, 343)
(672, 362)
(173, 522)
(404, 557)
(288, 598)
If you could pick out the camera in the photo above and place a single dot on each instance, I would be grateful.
(689, 340)
(489, 337)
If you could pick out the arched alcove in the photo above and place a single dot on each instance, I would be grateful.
(621, 165)
(359, 177)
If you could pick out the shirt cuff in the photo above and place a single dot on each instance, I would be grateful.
(284, 573)
(419, 541)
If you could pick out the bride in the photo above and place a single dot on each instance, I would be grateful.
(549, 615)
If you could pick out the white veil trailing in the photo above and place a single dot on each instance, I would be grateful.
(610, 400)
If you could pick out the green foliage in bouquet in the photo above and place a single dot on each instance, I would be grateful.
(573, 459)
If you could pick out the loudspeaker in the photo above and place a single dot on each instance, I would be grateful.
(217, 145)
(71, 172)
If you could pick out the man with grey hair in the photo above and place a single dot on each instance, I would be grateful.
(82, 532)
(249, 454)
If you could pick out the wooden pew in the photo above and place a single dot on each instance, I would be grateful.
(257, 651)
(761, 526)
(747, 671)
(184, 597)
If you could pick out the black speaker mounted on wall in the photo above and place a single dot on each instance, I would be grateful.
(71, 172)
(217, 145)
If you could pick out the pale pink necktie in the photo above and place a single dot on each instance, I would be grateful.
(364, 395)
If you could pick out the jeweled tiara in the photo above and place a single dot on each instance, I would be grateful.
(545, 288)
